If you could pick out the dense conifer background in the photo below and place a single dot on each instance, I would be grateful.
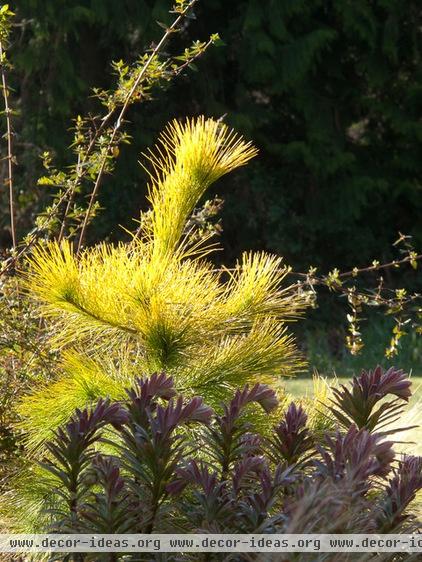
(329, 90)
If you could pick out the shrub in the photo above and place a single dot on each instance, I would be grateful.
(25, 359)
(154, 462)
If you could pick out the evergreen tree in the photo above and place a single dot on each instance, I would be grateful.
(158, 304)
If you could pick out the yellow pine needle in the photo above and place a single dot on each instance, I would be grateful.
(159, 299)
(262, 353)
(255, 288)
(83, 382)
(191, 156)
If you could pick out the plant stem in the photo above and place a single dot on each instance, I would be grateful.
(9, 145)
(32, 236)
(122, 114)
(351, 273)
(80, 171)
(70, 199)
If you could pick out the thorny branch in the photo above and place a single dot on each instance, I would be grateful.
(7, 112)
(123, 111)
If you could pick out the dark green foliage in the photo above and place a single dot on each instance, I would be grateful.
(329, 90)
(156, 475)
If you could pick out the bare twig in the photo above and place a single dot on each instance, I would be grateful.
(377, 267)
(70, 198)
(83, 158)
(81, 167)
(177, 72)
(7, 113)
(80, 171)
(122, 114)
(346, 274)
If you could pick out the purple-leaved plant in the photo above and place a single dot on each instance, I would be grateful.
(156, 462)
(365, 403)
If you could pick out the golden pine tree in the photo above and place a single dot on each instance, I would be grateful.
(158, 303)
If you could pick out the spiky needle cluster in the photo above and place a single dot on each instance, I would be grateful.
(158, 300)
